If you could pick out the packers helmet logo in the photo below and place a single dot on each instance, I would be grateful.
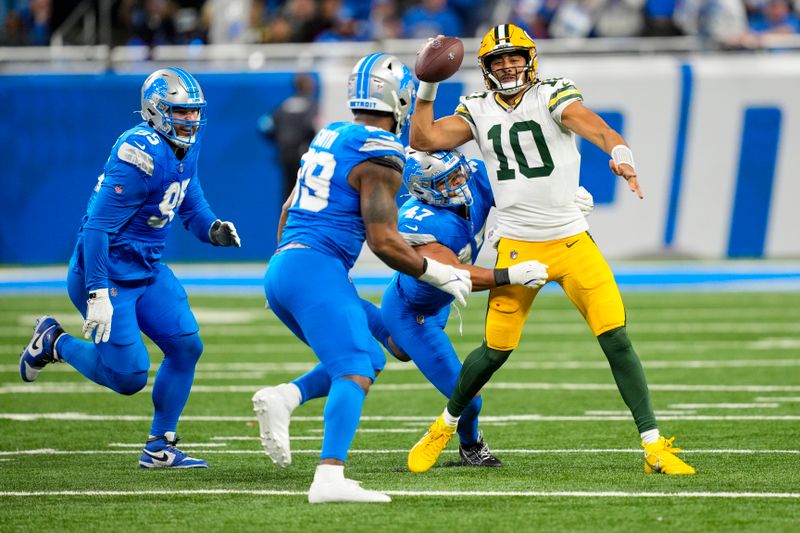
(503, 39)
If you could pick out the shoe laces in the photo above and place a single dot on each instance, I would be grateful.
(669, 447)
(483, 452)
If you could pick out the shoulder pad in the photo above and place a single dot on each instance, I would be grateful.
(380, 142)
(475, 95)
(132, 154)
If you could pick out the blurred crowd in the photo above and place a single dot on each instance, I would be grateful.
(732, 23)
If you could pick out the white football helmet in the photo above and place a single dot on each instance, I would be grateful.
(381, 82)
(438, 178)
(167, 89)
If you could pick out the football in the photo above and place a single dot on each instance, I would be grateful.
(439, 59)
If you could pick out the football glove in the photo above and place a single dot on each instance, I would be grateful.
(531, 274)
(447, 278)
(224, 234)
(98, 316)
(585, 201)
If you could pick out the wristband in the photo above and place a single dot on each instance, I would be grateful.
(622, 154)
(427, 91)
(501, 277)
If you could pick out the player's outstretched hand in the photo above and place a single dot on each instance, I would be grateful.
(450, 279)
(627, 172)
(531, 274)
(98, 316)
(224, 234)
(585, 201)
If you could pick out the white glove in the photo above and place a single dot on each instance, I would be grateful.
(585, 201)
(531, 274)
(224, 234)
(448, 278)
(98, 315)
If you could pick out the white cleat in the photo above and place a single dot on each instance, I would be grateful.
(343, 490)
(273, 407)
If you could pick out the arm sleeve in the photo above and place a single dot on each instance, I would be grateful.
(95, 250)
(195, 212)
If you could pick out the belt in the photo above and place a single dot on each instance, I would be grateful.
(290, 246)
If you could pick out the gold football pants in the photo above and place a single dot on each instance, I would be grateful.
(577, 265)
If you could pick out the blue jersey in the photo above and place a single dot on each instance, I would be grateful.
(420, 223)
(326, 211)
(135, 200)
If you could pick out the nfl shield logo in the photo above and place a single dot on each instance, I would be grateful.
(514, 254)
(118, 189)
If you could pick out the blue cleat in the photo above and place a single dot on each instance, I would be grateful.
(41, 350)
(160, 452)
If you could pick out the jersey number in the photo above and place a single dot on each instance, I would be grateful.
(417, 213)
(314, 185)
(173, 198)
(505, 172)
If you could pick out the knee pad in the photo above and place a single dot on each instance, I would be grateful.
(126, 384)
(182, 349)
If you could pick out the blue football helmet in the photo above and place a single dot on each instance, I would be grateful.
(381, 82)
(438, 178)
(167, 89)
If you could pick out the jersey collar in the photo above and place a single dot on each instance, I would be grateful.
(514, 103)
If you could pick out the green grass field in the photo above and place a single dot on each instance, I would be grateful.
(724, 370)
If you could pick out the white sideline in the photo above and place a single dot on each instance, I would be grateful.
(454, 493)
(521, 451)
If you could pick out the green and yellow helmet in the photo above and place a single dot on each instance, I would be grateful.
(504, 39)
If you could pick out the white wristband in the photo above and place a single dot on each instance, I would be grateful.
(436, 273)
(622, 154)
(427, 91)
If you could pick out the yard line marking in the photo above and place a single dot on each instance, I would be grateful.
(622, 412)
(81, 387)
(413, 493)
(777, 399)
(723, 405)
(30, 417)
(219, 370)
(519, 451)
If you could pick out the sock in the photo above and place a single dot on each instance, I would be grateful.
(449, 419)
(316, 383)
(84, 357)
(468, 423)
(328, 473)
(650, 436)
(291, 394)
(174, 381)
(478, 368)
(341, 415)
(629, 375)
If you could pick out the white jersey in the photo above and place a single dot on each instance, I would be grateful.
(531, 158)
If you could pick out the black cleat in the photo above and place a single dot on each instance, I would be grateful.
(478, 455)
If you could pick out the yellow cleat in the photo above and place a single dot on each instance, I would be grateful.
(660, 458)
(425, 452)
